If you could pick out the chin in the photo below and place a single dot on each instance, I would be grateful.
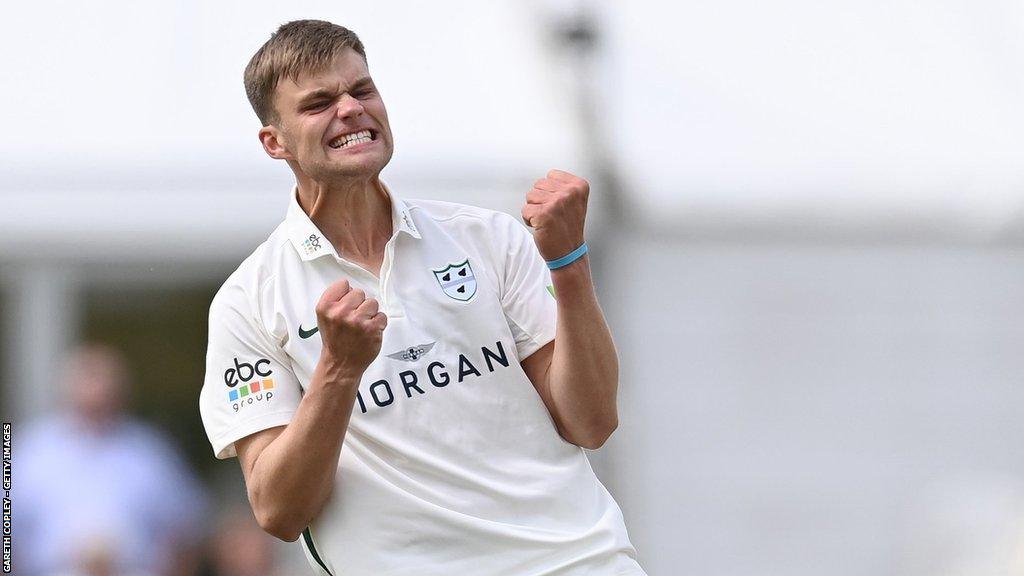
(339, 167)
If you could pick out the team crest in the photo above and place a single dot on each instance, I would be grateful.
(457, 280)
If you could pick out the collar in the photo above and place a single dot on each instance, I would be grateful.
(310, 243)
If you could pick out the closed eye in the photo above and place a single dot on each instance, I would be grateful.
(315, 106)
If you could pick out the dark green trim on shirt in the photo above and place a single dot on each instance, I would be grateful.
(307, 537)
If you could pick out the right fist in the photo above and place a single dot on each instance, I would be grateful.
(351, 327)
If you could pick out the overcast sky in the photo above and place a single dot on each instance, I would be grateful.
(728, 107)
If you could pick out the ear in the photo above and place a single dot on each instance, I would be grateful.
(273, 142)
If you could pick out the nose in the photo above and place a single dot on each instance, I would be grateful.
(349, 107)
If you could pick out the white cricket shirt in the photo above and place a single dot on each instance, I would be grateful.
(451, 463)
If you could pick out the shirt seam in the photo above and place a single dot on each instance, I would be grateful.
(458, 215)
(259, 313)
(532, 338)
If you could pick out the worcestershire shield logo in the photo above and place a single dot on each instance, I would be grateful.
(457, 280)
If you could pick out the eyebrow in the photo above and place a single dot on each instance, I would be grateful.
(328, 93)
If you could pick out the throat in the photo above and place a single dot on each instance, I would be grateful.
(356, 219)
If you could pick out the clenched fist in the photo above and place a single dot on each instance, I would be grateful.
(351, 328)
(556, 208)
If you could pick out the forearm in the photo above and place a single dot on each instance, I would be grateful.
(294, 475)
(584, 374)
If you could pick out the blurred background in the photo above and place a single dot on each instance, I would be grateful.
(807, 226)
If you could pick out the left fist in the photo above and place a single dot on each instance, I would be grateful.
(556, 208)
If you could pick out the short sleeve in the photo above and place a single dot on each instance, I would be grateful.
(527, 295)
(249, 384)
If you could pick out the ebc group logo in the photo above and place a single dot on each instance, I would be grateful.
(249, 382)
(311, 244)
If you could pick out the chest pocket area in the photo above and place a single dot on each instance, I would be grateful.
(456, 299)
(459, 281)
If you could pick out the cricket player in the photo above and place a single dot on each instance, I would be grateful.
(409, 385)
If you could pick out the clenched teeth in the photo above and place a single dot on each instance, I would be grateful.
(351, 139)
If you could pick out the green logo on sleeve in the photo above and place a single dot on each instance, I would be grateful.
(307, 333)
(551, 289)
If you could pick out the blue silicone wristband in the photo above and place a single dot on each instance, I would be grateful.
(568, 258)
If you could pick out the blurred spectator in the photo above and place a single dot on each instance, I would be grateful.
(98, 493)
(241, 548)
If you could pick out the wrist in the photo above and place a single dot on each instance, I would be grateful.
(335, 371)
(572, 276)
(569, 258)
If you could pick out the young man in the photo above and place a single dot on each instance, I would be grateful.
(397, 379)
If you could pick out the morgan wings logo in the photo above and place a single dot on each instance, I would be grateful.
(412, 353)
(457, 280)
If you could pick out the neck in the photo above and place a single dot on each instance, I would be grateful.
(355, 215)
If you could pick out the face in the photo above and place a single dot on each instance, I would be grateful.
(96, 380)
(332, 124)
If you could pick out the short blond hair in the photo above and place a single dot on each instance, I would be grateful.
(298, 47)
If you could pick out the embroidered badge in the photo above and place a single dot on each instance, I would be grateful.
(457, 280)
(412, 353)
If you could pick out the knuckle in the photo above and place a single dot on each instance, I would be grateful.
(325, 300)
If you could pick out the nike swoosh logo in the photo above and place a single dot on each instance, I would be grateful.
(307, 333)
